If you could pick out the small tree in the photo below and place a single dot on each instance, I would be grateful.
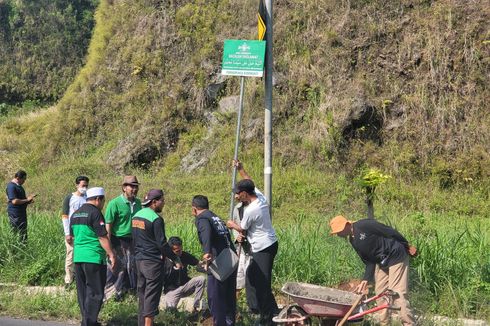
(371, 178)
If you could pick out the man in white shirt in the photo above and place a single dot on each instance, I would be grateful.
(260, 234)
(72, 203)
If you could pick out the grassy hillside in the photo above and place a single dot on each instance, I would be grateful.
(399, 86)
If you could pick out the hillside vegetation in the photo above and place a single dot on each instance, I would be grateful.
(42, 46)
(398, 85)
(401, 86)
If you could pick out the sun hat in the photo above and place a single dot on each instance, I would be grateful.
(151, 195)
(130, 180)
(95, 192)
(337, 224)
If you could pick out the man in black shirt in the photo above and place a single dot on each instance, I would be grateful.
(214, 238)
(17, 204)
(151, 249)
(385, 252)
(178, 284)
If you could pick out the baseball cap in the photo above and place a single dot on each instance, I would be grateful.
(95, 192)
(337, 224)
(151, 195)
(246, 185)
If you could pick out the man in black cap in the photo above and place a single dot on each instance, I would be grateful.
(151, 250)
(257, 224)
(214, 238)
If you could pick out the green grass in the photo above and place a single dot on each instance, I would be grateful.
(451, 276)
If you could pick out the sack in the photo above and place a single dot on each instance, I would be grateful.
(224, 265)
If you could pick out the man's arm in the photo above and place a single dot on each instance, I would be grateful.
(233, 225)
(205, 232)
(12, 196)
(65, 218)
(241, 169)
(110, 213)
(106, 244)
(29, 200)
(163, 246)
(97, 223)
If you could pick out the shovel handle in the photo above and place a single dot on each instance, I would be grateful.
(347, 315)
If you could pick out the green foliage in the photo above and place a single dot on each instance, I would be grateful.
(371, 178)
(43, 47)
(149, 62)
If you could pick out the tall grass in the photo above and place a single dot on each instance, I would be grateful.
(450, 276)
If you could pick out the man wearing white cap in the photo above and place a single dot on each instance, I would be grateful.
(90, 247)
(385, 252)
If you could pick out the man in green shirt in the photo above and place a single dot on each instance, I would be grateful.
(118, 215)
(90, 247)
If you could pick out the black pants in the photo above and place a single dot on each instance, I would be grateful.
(222, 300)
(19, 226)
(90, 290)
(124, 277)
(259, 283)
(150, 284)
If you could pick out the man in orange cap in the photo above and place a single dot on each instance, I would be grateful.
(385, 252)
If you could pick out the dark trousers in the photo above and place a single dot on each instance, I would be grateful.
(150, 284)
(259, 283)
(222, 300)
(90, 290)
(19, 226)
(124, 277)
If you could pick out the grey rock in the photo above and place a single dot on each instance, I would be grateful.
(229, 104)
(142, 147)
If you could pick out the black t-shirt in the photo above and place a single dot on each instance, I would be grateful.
(148, 233)
(377, 243)
(178, 277)
(213, 233)
(15, 191)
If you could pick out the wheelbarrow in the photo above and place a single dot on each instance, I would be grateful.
(327, 304)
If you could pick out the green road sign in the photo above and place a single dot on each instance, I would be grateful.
(243, 58)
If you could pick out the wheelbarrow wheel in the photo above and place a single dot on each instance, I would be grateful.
(292, 315)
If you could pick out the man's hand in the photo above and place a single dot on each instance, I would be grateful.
(30, 198)
(361, 288)
(69, 239)
(237, 164)
(233, 225)
(178, 266)
(240, 237)
(207, 258)
(112, 260)
(412, 251)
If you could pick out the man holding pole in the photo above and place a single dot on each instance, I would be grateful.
(262, 237)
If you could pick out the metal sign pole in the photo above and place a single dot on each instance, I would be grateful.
(268, 106)
(237, 144)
